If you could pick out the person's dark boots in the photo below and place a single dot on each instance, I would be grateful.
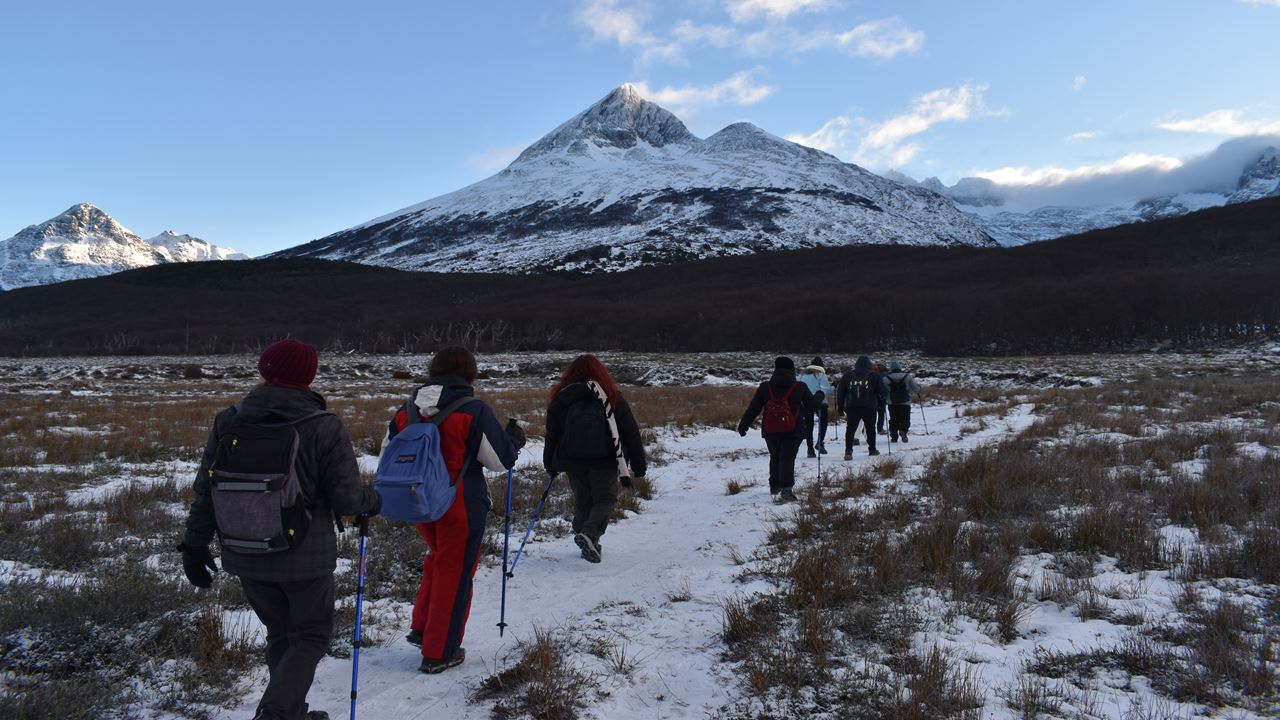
(414, 638)
(317, 715)
(848, 455)
(873, 451)
(590, 548)
(856, 441)
(431, 667)
(822, 449)
(904, 437)
(786, 495)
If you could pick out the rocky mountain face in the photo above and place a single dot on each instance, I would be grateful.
(625, 184)
(86, 242)
(988, 203)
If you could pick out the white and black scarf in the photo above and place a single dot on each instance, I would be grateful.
(623, 470)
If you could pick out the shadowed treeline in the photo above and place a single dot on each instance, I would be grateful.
(1201, 279)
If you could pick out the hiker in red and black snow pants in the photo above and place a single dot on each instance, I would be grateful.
(291, 590)
(781, 388)
(592, 437)
(858, 395)
(471, 439)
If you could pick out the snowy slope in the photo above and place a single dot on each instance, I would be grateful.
(624, 184)
(86, 242)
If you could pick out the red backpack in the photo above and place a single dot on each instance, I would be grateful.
(779, 416)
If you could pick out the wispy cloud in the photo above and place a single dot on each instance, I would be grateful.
(610, 20)
(1054, 175)
(1231, 123)
(747, 10)
(888, 143)
(1079, 82)
(496, 158)
(1083, 136)
(884, 39)
(1273, 3)
(738, 89)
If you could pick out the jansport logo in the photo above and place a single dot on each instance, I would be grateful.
(405, 458)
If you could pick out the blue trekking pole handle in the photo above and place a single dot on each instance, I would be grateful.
(536, 512)
(506, 545)
(363, 521)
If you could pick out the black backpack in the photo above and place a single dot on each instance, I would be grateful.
(899, 394)
(860, 393)
(586, 432)
(258, 500)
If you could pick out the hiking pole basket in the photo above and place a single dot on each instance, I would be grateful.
(506, 544)
(363, 522)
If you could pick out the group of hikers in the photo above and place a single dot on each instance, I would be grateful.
(795, 405)
(279, 472)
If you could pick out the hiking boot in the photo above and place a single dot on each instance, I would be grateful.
(873, 451)
(590, 548)
(856, 441)
(822, 449)
(432, 667)
(813, 454)
(894, 438)
(904, 437)
(848, 455)
(317, 715)
(414, 638)
(786, 495)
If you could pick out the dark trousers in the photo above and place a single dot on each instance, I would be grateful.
(865, 416)
(899, 420)
(819, 419)
(595, 492)
(880, 413)
(782, 462)
(299, 620)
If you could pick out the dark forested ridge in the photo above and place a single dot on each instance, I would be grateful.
(1207, 278)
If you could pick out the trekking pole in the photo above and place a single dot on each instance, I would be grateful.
(363, 521)
(924, 417)
(506, 543)
(536, 512)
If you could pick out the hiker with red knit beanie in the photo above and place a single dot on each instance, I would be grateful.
(288, 576)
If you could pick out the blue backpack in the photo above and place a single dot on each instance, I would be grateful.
(412, 478)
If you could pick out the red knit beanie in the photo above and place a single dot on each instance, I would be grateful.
(291, 363)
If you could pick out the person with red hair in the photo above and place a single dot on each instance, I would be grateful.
(593, 438)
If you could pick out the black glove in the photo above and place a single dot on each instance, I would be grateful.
(624, 481)
(516, 433)
(197, 562)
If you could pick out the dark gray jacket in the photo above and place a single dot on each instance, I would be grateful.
(328, 473)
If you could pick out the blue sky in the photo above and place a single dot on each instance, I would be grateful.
(261, 125)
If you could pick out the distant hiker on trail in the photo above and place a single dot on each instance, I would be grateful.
(471, 438)
(815, 378)
(593, 438)
(858, 395)
(786, 403)
(903, 388)
(276, 471)
(882, 408)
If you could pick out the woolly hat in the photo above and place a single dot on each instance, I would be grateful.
(784, 363)
(895, 366)
(291, 363)
(818, 361)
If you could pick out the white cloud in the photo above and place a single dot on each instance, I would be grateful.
(738, 89)
(1054, 175)
(1275, 3)
(609, 20)
(1079, 82)
(746, 10)
(496, 158)
(1083, 136)
(687, 32)
(888, 143)
(1222, 122)
(883, 39)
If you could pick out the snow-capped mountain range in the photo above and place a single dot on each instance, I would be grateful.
(86, 242)
(1238, 171)
(624, 184)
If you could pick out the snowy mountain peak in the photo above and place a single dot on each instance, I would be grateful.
(84, 219)
(620, 120)
(187, 248)
(1259, 180)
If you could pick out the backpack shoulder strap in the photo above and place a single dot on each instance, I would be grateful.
(448, 410)
(790, 390)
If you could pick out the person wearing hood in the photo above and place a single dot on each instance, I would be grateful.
(471, 440)
(903, 388)
(858, 395)
(592, 436)
(289, 582)
(814, 377)
(786, 402)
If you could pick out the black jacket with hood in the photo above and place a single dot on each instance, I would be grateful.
(879, 395)
(628, 432)
(327, 472)
(801, 401)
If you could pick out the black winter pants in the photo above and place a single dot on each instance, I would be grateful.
(298, 616)
(880, 414)
(782, 462)
(818, 419)
(866, 416)
(899, 420)
(595, 492)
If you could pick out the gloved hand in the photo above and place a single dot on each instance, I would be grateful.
(197, 562)
(820, 395)
(624, 481)
(516, 433)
